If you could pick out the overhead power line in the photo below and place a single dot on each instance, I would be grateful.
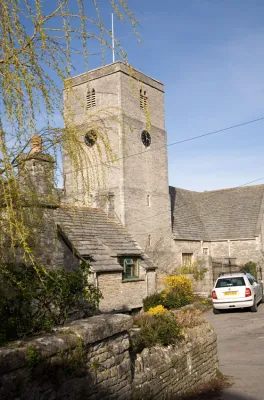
(193, 138)
(107, 163)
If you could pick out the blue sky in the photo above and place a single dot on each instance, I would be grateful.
(209, 55)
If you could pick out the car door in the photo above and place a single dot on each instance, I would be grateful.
(258, 289)
(254, 287)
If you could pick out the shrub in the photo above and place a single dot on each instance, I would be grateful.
(152, 301)
(251, 268)
(32, 302)
(189, 318)
(160, 329)
(157, 310)
(179, 285)
(194, 270)
(32, 356)
(175, 300)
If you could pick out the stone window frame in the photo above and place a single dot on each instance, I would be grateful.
(127, 263)
(148, 200)
(149, 240)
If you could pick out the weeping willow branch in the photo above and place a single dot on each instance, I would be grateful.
(38, 45)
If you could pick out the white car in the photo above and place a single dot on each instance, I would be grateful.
(238, 290)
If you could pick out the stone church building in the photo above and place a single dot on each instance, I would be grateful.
(133, 228)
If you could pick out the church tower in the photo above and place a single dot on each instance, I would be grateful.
(127, 107)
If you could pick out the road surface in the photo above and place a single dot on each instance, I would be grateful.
(241, 352)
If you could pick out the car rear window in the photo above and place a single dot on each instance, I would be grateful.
(229, 282)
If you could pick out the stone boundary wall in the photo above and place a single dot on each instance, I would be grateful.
(163, 373)
(91, 359)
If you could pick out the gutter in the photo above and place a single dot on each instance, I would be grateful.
(216, 240)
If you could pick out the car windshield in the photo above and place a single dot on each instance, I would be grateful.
(229, 282)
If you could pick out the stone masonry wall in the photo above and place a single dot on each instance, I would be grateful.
(242, 250)
(164, 373)
(120, 295)
(91, 359)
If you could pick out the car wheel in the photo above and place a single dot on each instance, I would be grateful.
(216, 311)
(254, 308)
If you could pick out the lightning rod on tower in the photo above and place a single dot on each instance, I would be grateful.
(113, 38)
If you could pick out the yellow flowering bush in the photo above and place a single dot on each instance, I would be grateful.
(157, 310)
(178, 293)
(179, 284)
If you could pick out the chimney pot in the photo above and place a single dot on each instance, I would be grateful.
(36, 144)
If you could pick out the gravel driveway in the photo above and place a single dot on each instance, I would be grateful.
(241, 352)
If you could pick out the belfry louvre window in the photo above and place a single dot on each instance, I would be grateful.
(131, 268)
(187, 258)
(90, 99)
(143, 99)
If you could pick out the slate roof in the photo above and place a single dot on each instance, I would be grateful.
(95, 236)
(214, 215)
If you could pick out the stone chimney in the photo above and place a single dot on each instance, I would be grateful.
(36, 144)
(36, 170)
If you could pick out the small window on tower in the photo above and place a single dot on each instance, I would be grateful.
(143, 99)
(90, 99)
(149, 240)
(148, 200)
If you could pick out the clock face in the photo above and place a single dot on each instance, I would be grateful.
(146, 138)
(90, 138)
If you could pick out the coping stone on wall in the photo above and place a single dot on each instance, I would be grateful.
(90, 330)
(100, 327)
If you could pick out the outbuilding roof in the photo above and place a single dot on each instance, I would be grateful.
(216, 215)
(98, 238)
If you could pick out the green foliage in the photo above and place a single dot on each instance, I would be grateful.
(33, 356)
(251, 268)
(174, 300)
(199, 274)
(161, 329)
(36, 60)
(193, 269)
(72, 361)
(152, 301)
(32, 302)
(178, 293)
